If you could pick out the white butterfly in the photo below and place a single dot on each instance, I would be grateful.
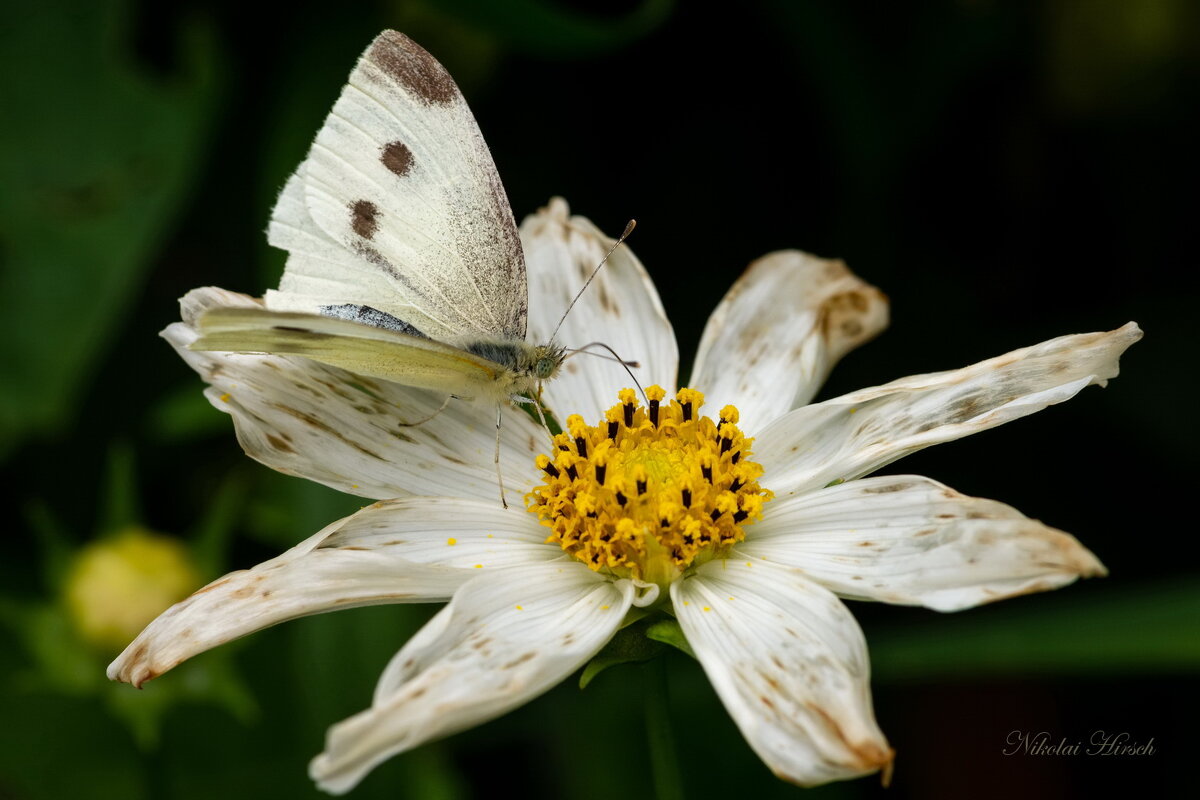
(404, 261)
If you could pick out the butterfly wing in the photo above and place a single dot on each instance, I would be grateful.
(362, 349)
(398, 206)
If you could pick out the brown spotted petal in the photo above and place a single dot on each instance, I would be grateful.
(621, 308)
(416, 550)
(505, 638)
(345, 431)
(855, 434)
(790, 664)
(912, 541)
(773, 339)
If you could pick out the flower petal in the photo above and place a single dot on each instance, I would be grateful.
(910, 540)
(620, 308)
(790, 664)
(344, 430)
(505, 638)
(773, 339)
(450, 531)
(855, 434)
(392, 552)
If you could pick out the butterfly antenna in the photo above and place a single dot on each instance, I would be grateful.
(618, 359)
(628, 230)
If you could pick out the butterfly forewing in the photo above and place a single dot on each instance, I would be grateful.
(321, 272)
(401, 180)
(363, 349)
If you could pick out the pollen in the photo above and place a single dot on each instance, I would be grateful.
(649, 491)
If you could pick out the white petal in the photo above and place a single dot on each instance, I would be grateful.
(910, 540)
(467, 534)
(772, 340)
(790, 664)
(855, 434)
(391, 552)
(621, 308)
(505, 638)
(343, 430)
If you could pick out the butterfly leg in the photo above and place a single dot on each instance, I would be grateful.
(496, 458)
(440, 409)
(537, 404)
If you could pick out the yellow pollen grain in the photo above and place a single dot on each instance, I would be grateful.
(518, 608)
(604, 608)
(651, 490)
(225, 397)
(706, 608)
(479, 566)
(452, 541)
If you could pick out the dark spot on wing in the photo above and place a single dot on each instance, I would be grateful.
(408, 64)
(364, 218)
(397, 158)
(371, 316)
(373, 256)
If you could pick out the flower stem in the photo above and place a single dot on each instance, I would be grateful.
(664, 761)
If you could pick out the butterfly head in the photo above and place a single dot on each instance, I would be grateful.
(545, 360)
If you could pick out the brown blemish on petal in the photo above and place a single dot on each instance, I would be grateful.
(214, 585)
(405, 62)
(867, 755)
(325, 428)
(364, 218)
(341, 601)
(891, 487)
(397, 158)
(520, 660)
(279, 444)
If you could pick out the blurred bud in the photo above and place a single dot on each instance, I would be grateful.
(118, 584)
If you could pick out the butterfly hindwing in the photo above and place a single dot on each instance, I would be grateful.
(370, 350)
(398, 206)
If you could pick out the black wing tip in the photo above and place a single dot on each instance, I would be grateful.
(411, 66)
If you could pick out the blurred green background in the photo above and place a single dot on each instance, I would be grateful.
(1006, 172)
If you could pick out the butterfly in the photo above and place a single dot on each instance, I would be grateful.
(404, 261)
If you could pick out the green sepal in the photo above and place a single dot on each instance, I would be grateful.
(632, 644)
(669, 632)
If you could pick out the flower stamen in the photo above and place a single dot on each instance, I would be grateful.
(649, 491)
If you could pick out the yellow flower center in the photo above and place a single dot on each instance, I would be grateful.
(651, 490)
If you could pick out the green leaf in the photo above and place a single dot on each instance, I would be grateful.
(1089, 631)
(96, 156)
(185, 414)
(120, 498)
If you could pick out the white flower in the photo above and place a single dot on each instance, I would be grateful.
(759, 604)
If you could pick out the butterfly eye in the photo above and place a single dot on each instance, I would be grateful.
(546, 367)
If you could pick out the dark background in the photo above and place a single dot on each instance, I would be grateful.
(1005, 172)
